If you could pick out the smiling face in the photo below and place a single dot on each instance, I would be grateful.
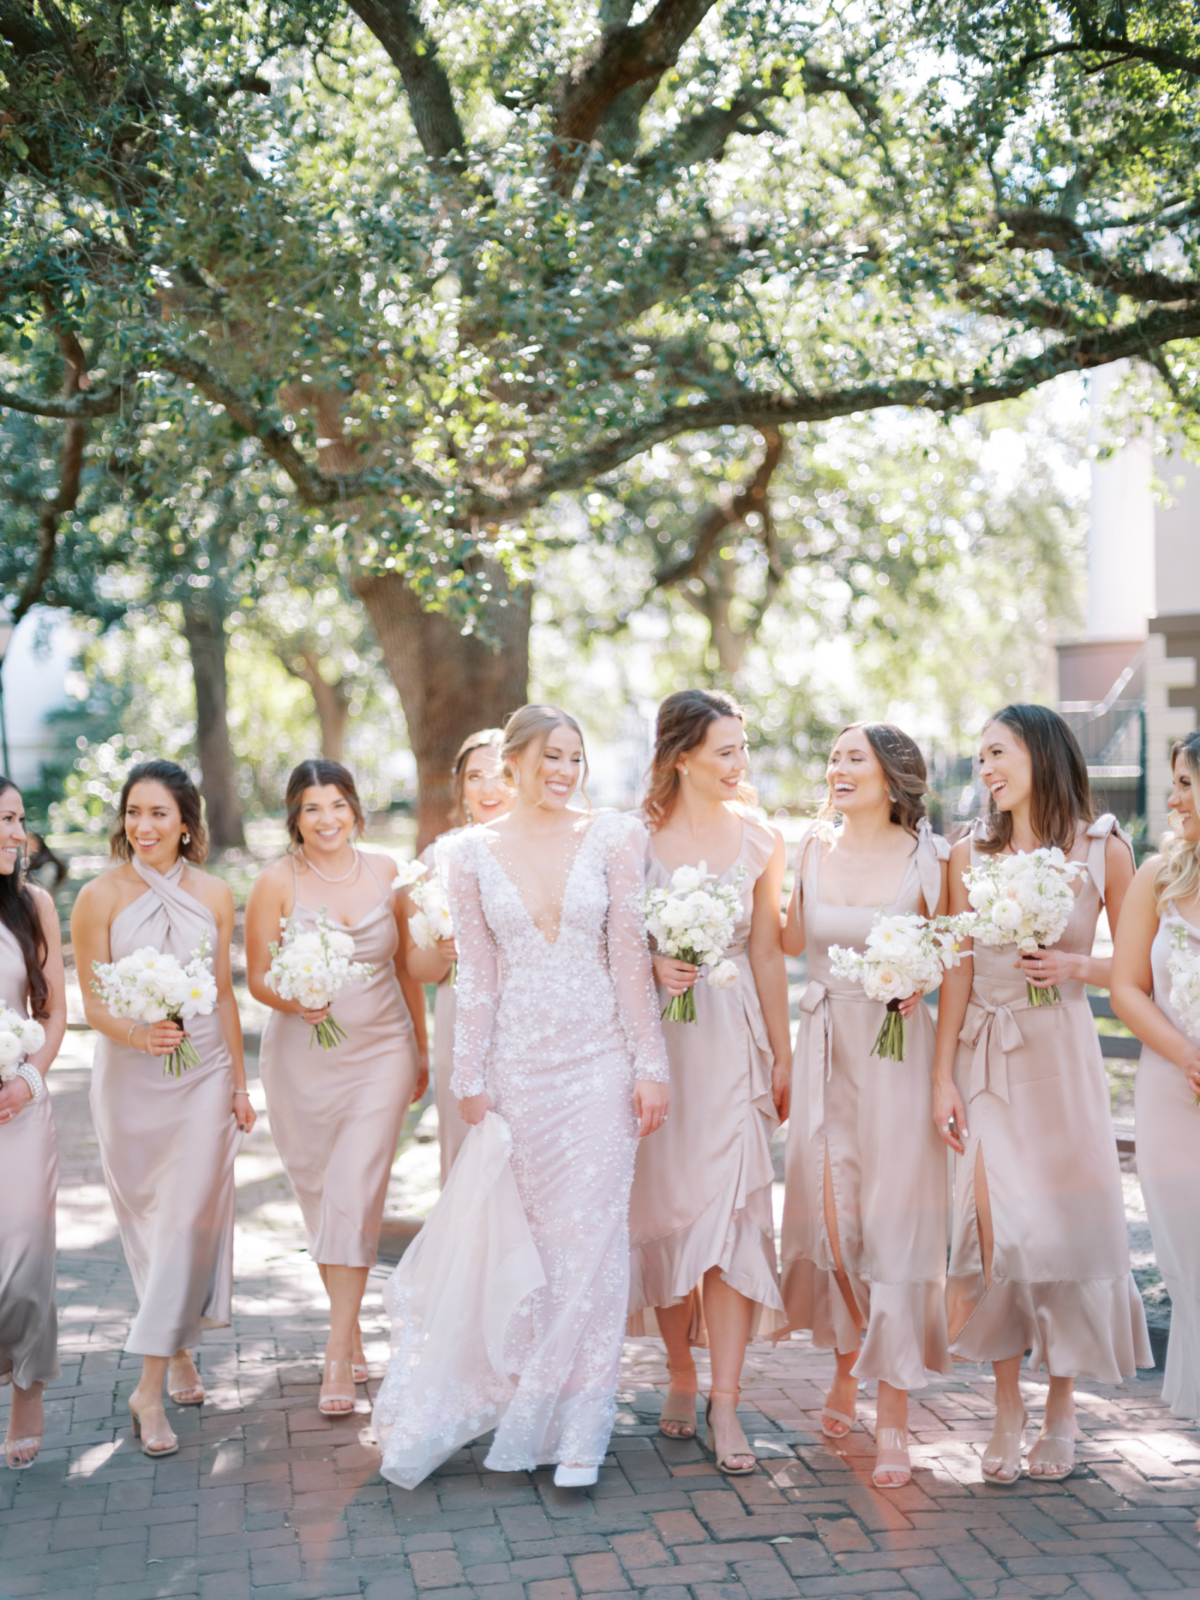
(486, 792)
(857, 782)
(1181, 807)
(153, 824)
(550, 777)
(12, 831)
(325, 820)
(1005, 767)
(716, 766)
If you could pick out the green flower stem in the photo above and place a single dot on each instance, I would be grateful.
(1043, 997)
(181, 1060)
(681, 1007)
(327, 1034)
(889, 1042)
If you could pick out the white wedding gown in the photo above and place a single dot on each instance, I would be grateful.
(508, 1311)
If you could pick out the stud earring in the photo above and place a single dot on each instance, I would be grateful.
(683, 772)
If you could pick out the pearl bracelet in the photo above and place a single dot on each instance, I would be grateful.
(37, 1084)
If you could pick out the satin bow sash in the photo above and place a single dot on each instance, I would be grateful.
(993, 1032)
(814, 1002)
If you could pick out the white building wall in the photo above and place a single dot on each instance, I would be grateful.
(1177, 539)
(34, 685)
(1121, 534)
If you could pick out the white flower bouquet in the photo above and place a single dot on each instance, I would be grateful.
(694, 922)
(313, 966)
(432, 921)
(1024, 899)
(1184, 966)
(148, 986)
(905, 955)
(19, 1037)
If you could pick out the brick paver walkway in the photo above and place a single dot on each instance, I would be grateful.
(268, 1499)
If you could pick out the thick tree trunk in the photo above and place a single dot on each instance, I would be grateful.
(333, 713)
(450, 685)
(204, 629)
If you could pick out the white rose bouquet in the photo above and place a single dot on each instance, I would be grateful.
(148, 986)
(905, 955)
(692, 922)
(1184, 966)
(1024, 899)
(432, 920)
(19, 1037)
(312, 966)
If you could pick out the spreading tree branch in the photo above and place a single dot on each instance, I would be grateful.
(414, 53)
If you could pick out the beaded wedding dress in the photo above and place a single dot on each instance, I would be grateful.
(508, 1311)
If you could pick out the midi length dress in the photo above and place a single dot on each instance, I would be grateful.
(29, 1163)
(336, 1115)
(167, 1144)
(508, 1312)
(1168, 1164)
(1039, 1116)
(873, 1121)
(702, 1185)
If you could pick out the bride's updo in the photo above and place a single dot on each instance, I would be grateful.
(1178, 875)
(533, 725)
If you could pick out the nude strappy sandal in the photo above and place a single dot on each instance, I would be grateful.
(14, 1451)
(1061, 1452)
(710, 1440)
(681, 1411)
(1004, 1448)
(337, 1385)
(159, 1443)
(187, 1394)
(891, 1456)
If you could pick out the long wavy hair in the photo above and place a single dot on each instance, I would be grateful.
(486, 738)
(1061, 795)
(186, 796)
(899, 755)
(682, 725)
(1178, 875)
(20, 916)
(532, 725)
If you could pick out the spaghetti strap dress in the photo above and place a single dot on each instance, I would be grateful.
(336, 1115)
(1168, 1164)
(873, 1121)
(1040, 1120)
(167, 1144)
(702, 1185)
(29, 1162)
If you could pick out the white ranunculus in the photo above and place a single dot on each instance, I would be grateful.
(10, 1048)
(724, 975)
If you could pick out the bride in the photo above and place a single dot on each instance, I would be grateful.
(508, 1311)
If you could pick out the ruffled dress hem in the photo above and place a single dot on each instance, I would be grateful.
(1091, 1328)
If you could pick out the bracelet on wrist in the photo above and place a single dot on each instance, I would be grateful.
(37, 1084)
(246, 1092)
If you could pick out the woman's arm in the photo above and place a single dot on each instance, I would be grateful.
(794, 938)
(765, 952)
(16, 1094)
(221, 898)
(1133, 979)
(267, 909)
(949, 1113)
(1060, 965)
(414, 994)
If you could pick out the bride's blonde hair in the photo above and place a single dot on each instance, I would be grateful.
(1178, 875)
(533, 725)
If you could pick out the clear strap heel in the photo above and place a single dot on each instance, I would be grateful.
(891, 1457)
(724, 1461)
(1053, 1456)
(1002, 1459)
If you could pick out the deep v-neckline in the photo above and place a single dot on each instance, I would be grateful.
(519, 898)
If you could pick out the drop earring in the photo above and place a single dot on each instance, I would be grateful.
(187, 838)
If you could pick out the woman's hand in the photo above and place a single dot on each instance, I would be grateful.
(158, 1038)
(1190, 1065)
(1042, 968)
(448, 950)
(14, 1097)
(907, 1007)
(781, 1088)
(650, 1102)
(244, 1113)
(422, 1077)
(475, 1107)
(312, 1017)
(949, 1115)
(676, 977)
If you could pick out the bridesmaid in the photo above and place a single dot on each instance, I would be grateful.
(32, 983)
(481, 793)
(1039, 1258)
(701, 1224)
(336, 1115)
(864, 1223)
(167, 1144)
(1165, 897)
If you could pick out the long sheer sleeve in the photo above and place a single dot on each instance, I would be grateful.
(629, 952)
(477, 982)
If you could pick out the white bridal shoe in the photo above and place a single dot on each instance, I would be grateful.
(575, 1477)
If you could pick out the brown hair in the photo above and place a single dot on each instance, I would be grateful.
(533, 724)
(20, 916)
(1178, 875)
(904, 769)
(683, 722)
(1062, 796)
(316, 774)
(486, 738)
(185, 795)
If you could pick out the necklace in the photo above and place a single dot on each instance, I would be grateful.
(324, 876)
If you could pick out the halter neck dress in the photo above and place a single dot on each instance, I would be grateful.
(167, 1144)
(702, 1185)
(29, 1163)
(1039, 1117)
(336, 1115)
(1168, 1164)
(873, 1120)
